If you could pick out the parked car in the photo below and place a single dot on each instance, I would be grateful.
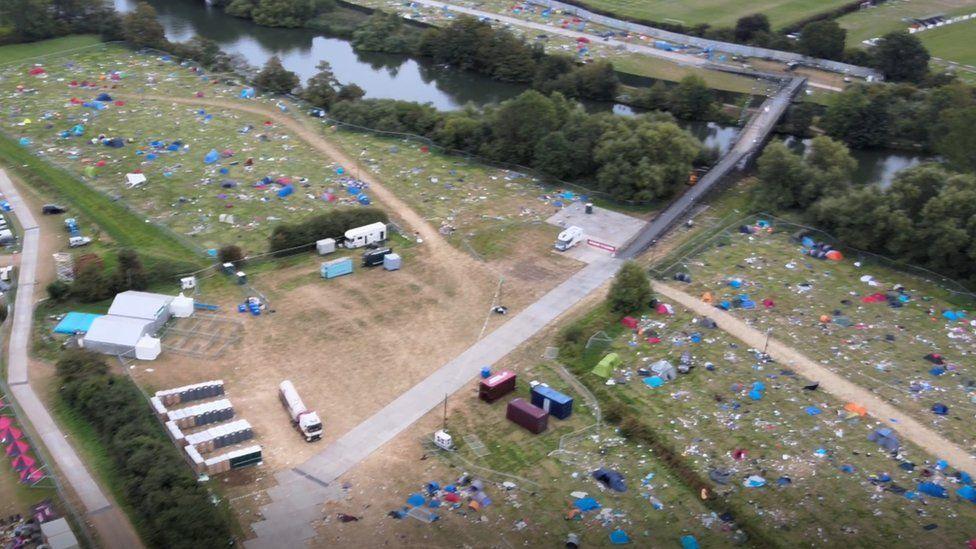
(53, 209)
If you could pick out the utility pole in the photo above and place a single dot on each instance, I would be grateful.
(445, 411)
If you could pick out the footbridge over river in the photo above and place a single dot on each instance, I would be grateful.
(747, 147)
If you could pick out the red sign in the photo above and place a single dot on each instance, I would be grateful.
(601, 245)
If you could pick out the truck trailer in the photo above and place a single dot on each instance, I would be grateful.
(305, 420)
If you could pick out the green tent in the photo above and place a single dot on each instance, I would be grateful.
(606, 366)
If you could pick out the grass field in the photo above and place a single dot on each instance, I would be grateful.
(890, 16)
(956, 42)
(819, 468)
(20, 52)
(661, 69)
(872, 344)
(718, 13)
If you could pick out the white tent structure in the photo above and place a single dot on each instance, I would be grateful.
(181, 306)
(148, 348)
(114, 335)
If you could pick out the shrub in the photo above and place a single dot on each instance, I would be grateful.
(58, 290)
(231, 253)
(289, 238)
(631, 289)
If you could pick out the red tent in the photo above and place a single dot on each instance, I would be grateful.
(874, 298)
(5, 422)
(36, 71)
(583, 40)
(17, 448)
(629, 322)
(31, 475)
(23, 462)
(10, 434)
(768, 303)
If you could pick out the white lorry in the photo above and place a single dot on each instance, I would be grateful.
(569, 238)
(305, 420)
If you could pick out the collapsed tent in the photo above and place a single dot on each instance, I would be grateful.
(611, 479)
(605, 367)
(932, 489)
(885, 438)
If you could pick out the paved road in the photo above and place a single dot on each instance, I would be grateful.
(830, 382)
(298, 498)
(750, 141)
(113, 527)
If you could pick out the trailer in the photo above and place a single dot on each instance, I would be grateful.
(305, 420)
(569, 238)
(336, 267)
(560, 406)
(372, 258)
(523, 414)
(365, 235)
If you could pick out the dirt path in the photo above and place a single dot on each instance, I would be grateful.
(450, 257)
(843, 389)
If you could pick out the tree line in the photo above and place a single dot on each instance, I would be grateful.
(290, 238)
(95, 281)
(638, 158)
(174, 510)
(938, 119)
(31, 20)
(925, 217)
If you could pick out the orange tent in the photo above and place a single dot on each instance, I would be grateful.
(834, 255)
(856, 409)
(707, 297)
(824, 319)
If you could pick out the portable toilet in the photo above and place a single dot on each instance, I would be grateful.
(148, 348)
(241, 278)
(557, 404)
(228, 268)
(336, 267)
(181, 306)
(391, 262)
(325, 246)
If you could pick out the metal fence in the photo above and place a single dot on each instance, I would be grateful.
(715, 45)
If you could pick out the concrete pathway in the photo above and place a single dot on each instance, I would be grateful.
(112, 525)
(298, 498)
(830, 382)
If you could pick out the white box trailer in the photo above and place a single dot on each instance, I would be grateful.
(365, 235)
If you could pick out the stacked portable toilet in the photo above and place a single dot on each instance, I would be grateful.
(165, 399)
(233, 460)
(202, 414)
(221, 436)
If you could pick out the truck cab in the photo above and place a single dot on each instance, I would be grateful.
(311, 426)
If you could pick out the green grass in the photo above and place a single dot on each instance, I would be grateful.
(662, 69)
(705, 415)
(854, 352)
(122, 225)
(24, 52)
(718, 13)
(890, 16)
(956, 42)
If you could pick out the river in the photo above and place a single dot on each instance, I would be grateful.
(401, 77)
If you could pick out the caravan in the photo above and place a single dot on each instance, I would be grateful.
(365, 235)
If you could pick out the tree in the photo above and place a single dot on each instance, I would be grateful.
(275, 78)
(555, 155)
(231, 253)
(958, 141)
(141, 27)
(832, 167)
(782, 176)
(657, 97)
(91, 283)
(902, 57)
(597, 81)
(78, 364)
(282, 13)
(320, 90)
(631, 289)
(691, 98)
(519, 124)
(824, 39)
(857, 118)
(240, 8)
(350, 92)
(130, 274)
(644, 159)
(58, 290)
(382, 32)
(746, 28)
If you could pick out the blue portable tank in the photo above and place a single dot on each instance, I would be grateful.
(336, 267)
(557, 404)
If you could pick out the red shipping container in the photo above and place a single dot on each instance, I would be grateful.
(524, 414)
(497, 386)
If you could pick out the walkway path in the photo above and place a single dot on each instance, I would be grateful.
(112, 525)
(298, 498)
(832, 383)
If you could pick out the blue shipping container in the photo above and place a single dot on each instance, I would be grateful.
(336, 267)
(557, 404)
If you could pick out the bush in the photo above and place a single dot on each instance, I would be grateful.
(634, 429)
(58, 290)
(614, 412)
(231, 253)
(631, 289)
(157, 483)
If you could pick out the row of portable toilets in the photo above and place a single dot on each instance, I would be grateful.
(212, 427)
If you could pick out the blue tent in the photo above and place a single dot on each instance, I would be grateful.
(967, 493)
(103, 97)
(586, 504)
(654, 381)
(247, 93)
(211, 157)
(885, 438)
(932, 489)
(813, 411)
(755, 395)
(689, 542)
(415, 500)
(285, 191)
(619, 537)
(74, 323)
(940, 409)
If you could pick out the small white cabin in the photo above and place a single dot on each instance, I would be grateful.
(365, 235)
